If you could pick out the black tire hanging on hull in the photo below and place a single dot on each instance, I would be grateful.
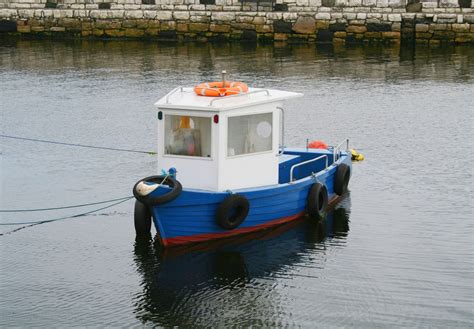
(142, 219)
(232, 211)
(317, 202)
(341, 180)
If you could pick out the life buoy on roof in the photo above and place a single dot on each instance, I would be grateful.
(220, 89)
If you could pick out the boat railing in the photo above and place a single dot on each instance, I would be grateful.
(282, 131)
(240, 95)
(306, 162)
(172, 92)
(337, 150)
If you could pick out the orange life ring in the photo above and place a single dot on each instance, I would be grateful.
(217, 89)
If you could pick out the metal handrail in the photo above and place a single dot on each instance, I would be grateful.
(282, 132)
(306, 162)
(172, 92)
(337, 151)
(243, 94)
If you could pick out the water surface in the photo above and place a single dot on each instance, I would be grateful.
(397, 252)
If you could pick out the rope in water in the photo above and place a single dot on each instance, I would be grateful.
(33, 223)
(63, 207)
(78, 145)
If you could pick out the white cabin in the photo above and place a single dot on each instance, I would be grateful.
(221, 143)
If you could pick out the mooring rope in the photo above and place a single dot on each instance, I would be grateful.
(77, 145)
(33, 223)
(63, 207)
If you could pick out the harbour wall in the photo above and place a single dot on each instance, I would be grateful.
(325, 21)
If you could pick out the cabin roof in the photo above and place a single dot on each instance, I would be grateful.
(183, 98)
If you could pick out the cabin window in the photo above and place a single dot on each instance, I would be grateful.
(188, 135)
(249, 134)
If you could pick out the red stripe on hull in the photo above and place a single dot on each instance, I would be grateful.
(211, 236)
(181, 240)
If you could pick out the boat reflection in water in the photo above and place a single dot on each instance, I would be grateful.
(232, 281)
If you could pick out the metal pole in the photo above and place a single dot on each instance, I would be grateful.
(224, 72)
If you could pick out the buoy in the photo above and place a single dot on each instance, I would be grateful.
(356, 156)
(318, 145)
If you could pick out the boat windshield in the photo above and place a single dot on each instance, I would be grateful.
(188, 135)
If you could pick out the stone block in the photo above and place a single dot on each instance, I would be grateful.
(323, 16)
(373, 35)
(340, 34)
(324, 36)
(134, 33)
(259, 20)
(391, 35)
(198, 27)
(150, 14)
(305, 25)
(356, 29)
(135, 14)
(244, 19)
(446, 18)
(281, 26)
(223, 16)
(128, 23)
(379, 27)
(395, 17)
(264, 28)
(290, 17)
(422, 27)
(438, 27)
(469, 19)
(361, 16)
(338, 27)
(460, 27)
(182, 27)
(322, 25)
(444, 35)
(448, 3)
(164, 15)
(199, 19)
(152, 32)
(243, 26)
(181, 15)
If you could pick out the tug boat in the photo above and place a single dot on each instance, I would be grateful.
(225, 170)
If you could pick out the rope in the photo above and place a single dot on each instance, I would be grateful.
(63, 207)
(77, 145)
(33, 223)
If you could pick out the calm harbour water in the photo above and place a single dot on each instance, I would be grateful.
(397, 251)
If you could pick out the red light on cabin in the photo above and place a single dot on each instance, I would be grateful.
(216, 118)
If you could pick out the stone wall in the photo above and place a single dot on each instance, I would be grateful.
(337, 21)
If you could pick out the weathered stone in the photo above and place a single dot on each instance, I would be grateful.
(163, 15)
(259, 20)
(469, 19)
(134, 33)
(395, 17)
(323, 16)
(446, 18)
(414, 7)
(281, 26)
(168, 26)
(264, 28)
(181, 15)
(356, 29)
(379, 27)
(198, 27)
(244, 19)
(223, 16)
(114, 33)
(182, 27)
(305, 25)
(439, 27)
(391, 35)
(340, 34)
(322, 25)
(460, 27)
(219, 28)
(422, 27)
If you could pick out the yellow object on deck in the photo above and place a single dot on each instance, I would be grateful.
(356, 156)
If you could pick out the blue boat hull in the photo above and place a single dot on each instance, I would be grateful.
(191, 217)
